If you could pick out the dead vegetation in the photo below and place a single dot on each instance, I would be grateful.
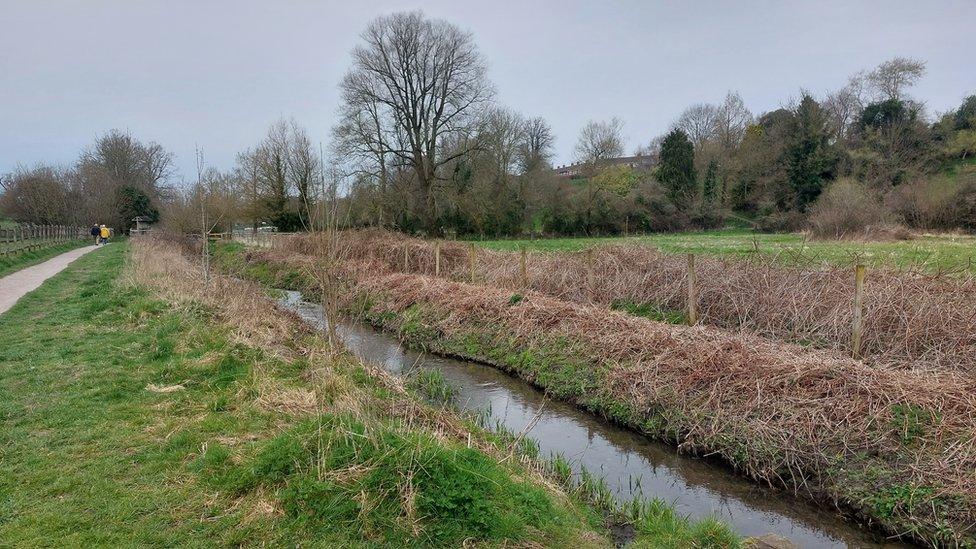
(331, 383)
(892, 438)
(912, 320)
(791, 416)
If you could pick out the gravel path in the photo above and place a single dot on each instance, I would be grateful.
(17, 285)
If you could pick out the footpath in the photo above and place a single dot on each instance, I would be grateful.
(17, 285)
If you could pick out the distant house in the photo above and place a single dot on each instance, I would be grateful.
(637, 162)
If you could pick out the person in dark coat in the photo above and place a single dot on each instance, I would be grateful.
(95, 232)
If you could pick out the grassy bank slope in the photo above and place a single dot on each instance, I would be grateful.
(889, 447)
(140, 407)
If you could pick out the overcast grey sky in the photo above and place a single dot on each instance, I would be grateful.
(217, 73)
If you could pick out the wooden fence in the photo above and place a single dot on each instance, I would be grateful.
(25, 238)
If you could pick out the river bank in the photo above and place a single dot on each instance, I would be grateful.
(866, 441)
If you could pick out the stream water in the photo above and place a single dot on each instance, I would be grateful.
(630, 464)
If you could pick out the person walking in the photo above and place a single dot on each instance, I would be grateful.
(95, 232)
(103, 234)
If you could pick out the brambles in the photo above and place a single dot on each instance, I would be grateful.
(911, 319)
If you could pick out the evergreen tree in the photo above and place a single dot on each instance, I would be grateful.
(677, 168)
(809, 156)
(710, 184)
(132, 202)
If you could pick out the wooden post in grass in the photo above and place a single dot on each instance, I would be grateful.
(471, 259)
(589, 272)
(858, 327)
(692, 291)
(406, 256)
(523, 270)
(437, 258)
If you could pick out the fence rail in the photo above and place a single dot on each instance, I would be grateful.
(26, 238)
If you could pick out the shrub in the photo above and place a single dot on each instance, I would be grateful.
(964, 206)
(847, 208)
(770, 219)
(924, 203)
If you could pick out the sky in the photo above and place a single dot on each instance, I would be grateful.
(215, 74)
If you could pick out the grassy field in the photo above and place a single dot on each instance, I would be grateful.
(928, 252)
(130, 419)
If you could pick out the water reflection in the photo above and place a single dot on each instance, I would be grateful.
(629, 463)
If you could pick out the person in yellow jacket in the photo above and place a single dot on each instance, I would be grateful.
(103, 234)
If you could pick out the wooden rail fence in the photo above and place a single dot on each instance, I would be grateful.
(25, 238)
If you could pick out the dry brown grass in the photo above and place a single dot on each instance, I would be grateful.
(782, 413)
(255, 320)
(912, 320)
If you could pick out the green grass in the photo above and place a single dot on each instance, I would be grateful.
(11, 263)
(650, 311)
(93, 454)
(928, 252)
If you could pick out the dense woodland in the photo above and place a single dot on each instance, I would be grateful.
(422, 146)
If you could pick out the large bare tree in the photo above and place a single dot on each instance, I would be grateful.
(599, 142)
(427, 83)
(700, 123)
(732, 121)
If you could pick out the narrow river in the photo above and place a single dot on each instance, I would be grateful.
(631, 464)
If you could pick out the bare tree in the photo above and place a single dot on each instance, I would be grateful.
(428, 82)
(700, 122)
(359, 143)
(732, 120)
(303, 171)
(247, 178)
(536, 149)
(845, 105)
(42, 195)
(599, 142)
(500, 139)
(891, 78)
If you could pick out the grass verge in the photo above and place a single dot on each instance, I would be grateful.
(16, 262)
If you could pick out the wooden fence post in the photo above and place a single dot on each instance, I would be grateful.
(471, 261)
(692, 291)
(437, 258)
(523, 270)
(858, 327)
(406, 256)
(589, 272)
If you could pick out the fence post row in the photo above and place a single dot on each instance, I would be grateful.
(858, 327)
(22, 238)
(692, 291)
